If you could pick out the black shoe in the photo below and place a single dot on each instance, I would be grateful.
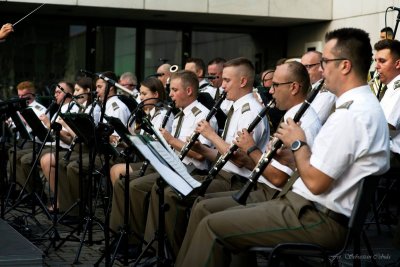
(133, 252)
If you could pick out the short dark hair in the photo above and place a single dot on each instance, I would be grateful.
(299, 74)
(188, 79)
(111, 75)
(243, 62)
(70, 86)
(155, 85)
(199, 64)
(388, 30)
(354, 45)
(216, 60)
(392, 45)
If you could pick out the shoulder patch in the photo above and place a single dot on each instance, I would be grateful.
(245, 108)
(115, 106)
(345, 105)
(196, 111)
(38, 107)
(396, 84)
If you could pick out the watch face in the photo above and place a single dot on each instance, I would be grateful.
(296, 145)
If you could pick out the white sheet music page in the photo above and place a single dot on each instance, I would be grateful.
(172, 178)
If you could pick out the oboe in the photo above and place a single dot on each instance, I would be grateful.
(242, 195)
(185, 149)
(145, 164)
(223, 159)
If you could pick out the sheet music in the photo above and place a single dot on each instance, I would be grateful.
(176, 164)
(182, 185)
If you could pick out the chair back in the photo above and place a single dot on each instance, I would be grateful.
(362, 204)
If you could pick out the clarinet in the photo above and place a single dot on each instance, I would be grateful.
(223, 159)
(242, 195)
(185, 149)
(145, 164)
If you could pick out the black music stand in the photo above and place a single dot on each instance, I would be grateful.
(127, 154)
(43, 134)
(23, 134)
(84, 127)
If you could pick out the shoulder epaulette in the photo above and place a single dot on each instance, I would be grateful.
(396, 84)
(38, 107)
(115, 105)
(245, 108)
(196, 111)
(345, 105)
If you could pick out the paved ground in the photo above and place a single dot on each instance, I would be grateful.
(384, 251)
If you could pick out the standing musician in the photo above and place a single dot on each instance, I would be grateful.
(288, 96)
(238, 77)
(82, 92)
(388, 66)
(184, 90)
(352, 144)
(325, 100)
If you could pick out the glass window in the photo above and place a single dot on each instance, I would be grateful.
(208, 45)
(41, 54)
(162, 46)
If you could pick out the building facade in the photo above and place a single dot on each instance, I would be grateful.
(64, 36)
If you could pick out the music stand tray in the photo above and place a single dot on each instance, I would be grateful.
(24, 134)
(82, 124)
(38, 129)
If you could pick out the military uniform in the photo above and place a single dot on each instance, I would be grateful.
(231, 177)
(265, 190)
(69, 187)
(352, 144)
(140, 187)
(390, 104)
(24, 165)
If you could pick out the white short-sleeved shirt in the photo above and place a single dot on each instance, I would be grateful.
(64, 108)
(352, 144)
(157, 116)
(246, 110)
(390, 104)
(310, 124)
(193, 114)
(117, 109)
(95, 111)
(323, 103)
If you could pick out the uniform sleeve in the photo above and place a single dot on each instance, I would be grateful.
(336, 148)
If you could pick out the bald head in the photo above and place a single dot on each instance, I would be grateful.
(165, 70)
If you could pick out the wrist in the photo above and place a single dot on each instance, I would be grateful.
(251, 150)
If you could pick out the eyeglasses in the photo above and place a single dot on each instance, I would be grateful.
(325, 61)
(276, 85)
(266, 80)
(129, 84)
(309, 66)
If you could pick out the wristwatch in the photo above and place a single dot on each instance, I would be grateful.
(297, 144)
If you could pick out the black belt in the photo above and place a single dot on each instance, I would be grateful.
(337, 217)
